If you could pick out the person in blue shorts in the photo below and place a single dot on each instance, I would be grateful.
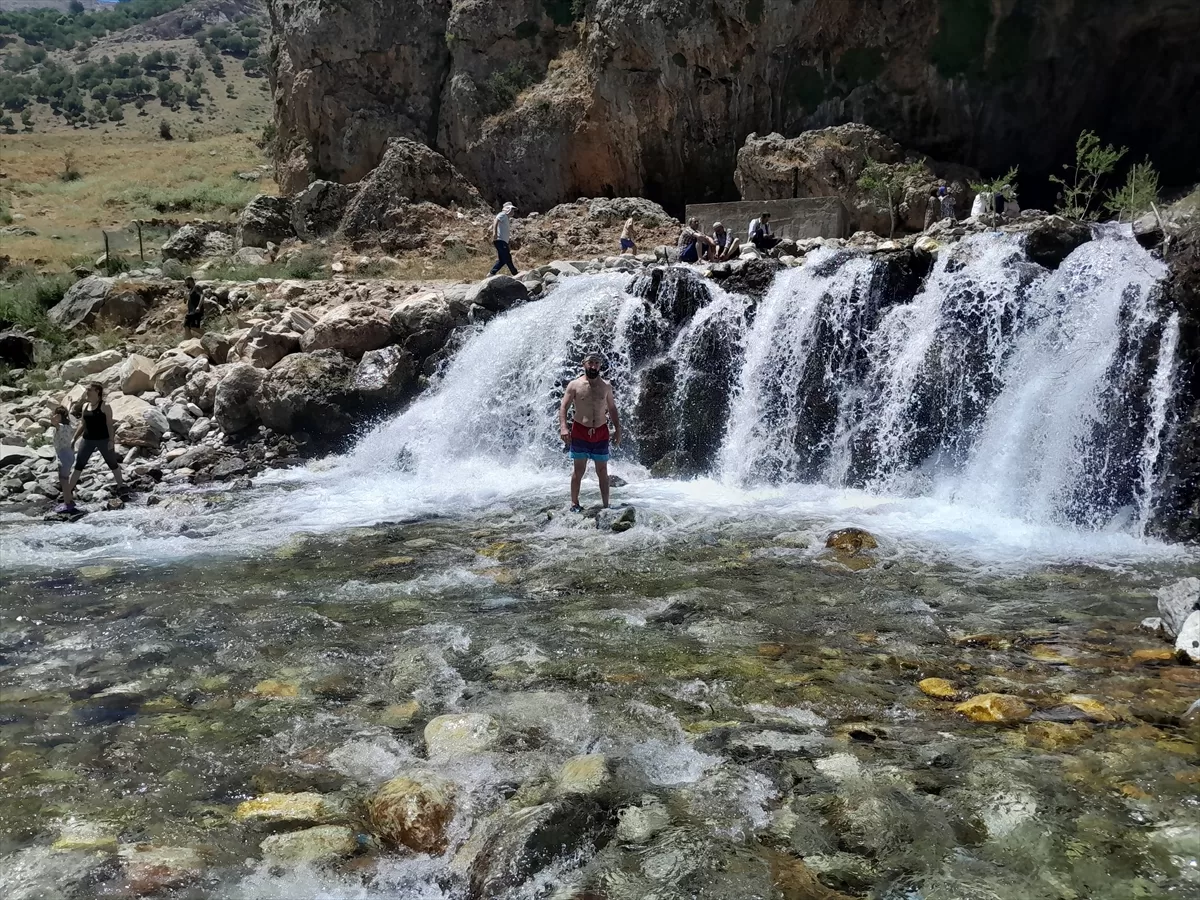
(595, 427)
(628, 244)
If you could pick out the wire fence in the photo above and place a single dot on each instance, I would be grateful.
(134, 245)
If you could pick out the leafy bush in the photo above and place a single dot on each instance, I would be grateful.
(886, 183)
(1138, 195)
(70, 172)
(25, 299)
(502, 88)
(1093, 162)
(164, 130)
(5, 211)
(308, 263)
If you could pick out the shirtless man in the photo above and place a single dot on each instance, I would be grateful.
(588, 437)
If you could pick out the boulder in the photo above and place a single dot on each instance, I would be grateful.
(587, 774)
(139, 424)
(1176, 602)
(1148, 231)
(414, 812)
(353, 328)
(422, 323)
(1054, 239)
(639, 824)
(180, 420)
(525, 841)
(151, 869)
(263, 347)
(321, 845)
(217, 244)
(137, 374)
(17, 350)
(81, 366)
(199, 431)
(171, 373)
(305, 808)
(216, 345)
(1187, 641)
(297, 320)
(185, 244)
(317, 210)
(11, 455)
(460, 734)
(384, 376)
(201, 389)
(173, 269)
(234, 407)
(94, 299)
(851, 540)
(265, 220)
(497, 293)
(250, 256)
(309, 392)
(409, 172)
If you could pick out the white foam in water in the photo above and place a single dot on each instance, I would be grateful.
(984, 403)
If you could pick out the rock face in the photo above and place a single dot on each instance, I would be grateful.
(409, 172)
(307, 392)
(317, 210)
(538, 102)
(265, 220)
(828, 163)
(96, 298)
(189, 242)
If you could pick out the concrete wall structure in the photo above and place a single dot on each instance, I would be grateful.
(811, 217)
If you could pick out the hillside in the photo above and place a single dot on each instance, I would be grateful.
(105, 124)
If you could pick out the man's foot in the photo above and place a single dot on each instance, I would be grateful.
(575, 507)
(65, 508)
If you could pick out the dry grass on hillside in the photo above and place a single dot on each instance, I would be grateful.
(122, 177)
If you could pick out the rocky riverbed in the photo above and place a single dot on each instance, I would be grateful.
(502, 704)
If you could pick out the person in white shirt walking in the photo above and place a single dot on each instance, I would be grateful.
(501, 231)
(64, 449)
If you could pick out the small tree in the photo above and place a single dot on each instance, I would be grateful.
(1138, 195)
(70, 172)
(1093, 162)
(1005, 186)
(164, 130)
(885, 184)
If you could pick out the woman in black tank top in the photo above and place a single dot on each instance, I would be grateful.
(96, 434)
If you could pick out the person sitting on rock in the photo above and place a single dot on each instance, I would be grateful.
(96, 433)
(694, 244)
(726, 245)
(194, 317)
(628, 244)
(760, 233)
(501, 231)
(595, 409)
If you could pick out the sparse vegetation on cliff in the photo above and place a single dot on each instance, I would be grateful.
(1094, 162)
(1138, 195)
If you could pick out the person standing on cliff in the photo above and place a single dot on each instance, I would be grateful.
(588, 436)
(947, 199)
(501, 231)
(933, 210)
(193, 319)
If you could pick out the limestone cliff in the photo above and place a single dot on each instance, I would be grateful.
(543, 100)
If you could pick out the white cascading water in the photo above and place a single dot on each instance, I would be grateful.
(1002, 402)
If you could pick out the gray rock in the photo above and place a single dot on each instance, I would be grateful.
(234, 407)
(250, 256)
(317, 210)
(180, 420)
(94, 298)
(384, 376)
(174, 269)
(185, 244)
(525, 841)
(11, 455)
(199, 430)
(216, 345)
(1187, 641)
(265, 220)
(423, 322)
(1054, 239)
(82, 366)
(217, 243)
(310, 392)
(498, 293)
(263, 347)
(1176, 602)
(619, 519)
(229, 468)
(353, 328)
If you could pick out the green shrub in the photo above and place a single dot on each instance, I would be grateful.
(1137, 196)
(5, 211)
(25, 300)
(1093, 162)
(308, 263)
(502, 88)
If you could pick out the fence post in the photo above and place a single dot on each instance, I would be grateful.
(107, 254)
(141, 249)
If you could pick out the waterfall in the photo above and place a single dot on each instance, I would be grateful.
(985, 381)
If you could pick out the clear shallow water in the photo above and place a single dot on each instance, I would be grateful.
(160, 665)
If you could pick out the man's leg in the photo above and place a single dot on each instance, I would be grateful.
(501, 249)
(602, 477)
(577, 480)
(508, 260)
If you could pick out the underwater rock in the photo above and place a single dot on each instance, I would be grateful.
(274, 689)
(529, 839)
(844, 871)
(851, 540)
(639, 824)
(1056, 735)
(150, 869)
(399, 715)
(92, 837)
(994, 708)
(938, 688)
(40, 873)
(306, 808)
(414, 811)
(460, 733)
(312, 846)
(584, 775)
